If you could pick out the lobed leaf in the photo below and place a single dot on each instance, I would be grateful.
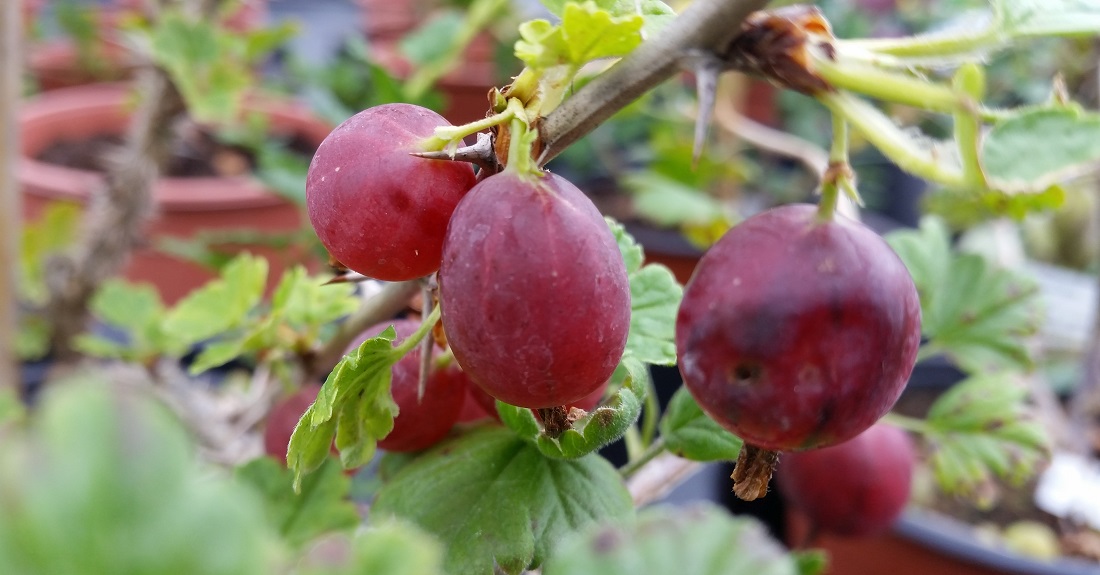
(598, 428)
(586, 33)
(322, 506)
(495, 501)
(385, 548)
(701, 540)
(654, 302)
(1037, 147)
(980, 431)
(354, 405)
(973, 312)
(689, 433)
(219, 305)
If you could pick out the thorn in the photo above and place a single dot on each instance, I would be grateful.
(707, 66)
(480, 154)
(347, 278)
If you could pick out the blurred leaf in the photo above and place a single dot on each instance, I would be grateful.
(654, 301)
(1037, 147)
(106, 481)
(598, 428)
(701, 540)
(975, 313)
(493, 499)
(1049, 17)
(220, 304)
(322, 506)
(303, 300)
(669, 203)
(964, 209)
(982, 429)
(690, 434)
(385, 548)
(432, 40)
(32, 340)
(354, 405)
(282, 170)
(52, 232)
(655, 13)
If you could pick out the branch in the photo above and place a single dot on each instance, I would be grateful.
(11, 66)
(393, 298)
(706, 25)
(659, 477)
(116, 214)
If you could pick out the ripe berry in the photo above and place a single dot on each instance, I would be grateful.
(797, 333)
(379, 210)
(533, 291)
(856, 488)
(283, 418)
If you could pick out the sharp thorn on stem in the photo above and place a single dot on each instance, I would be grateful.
(481, 154)
(707, 66)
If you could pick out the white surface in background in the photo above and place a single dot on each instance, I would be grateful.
(1070, 489)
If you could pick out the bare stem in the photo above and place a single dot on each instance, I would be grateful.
(704, 25)
(10, 80)
(116, 213)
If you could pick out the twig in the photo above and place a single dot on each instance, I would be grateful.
(660, 476)
(706, 25)
(810, 155)
(11, 26)
(382, 306)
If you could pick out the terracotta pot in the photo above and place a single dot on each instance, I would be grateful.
(184, 206)
(924, 543)
(55, 65)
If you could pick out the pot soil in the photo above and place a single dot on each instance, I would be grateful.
(184, 206)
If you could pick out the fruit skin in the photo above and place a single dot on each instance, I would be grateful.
(533, 291)
(420, 423)
(379, 210)
(856, 488)
(795, 333)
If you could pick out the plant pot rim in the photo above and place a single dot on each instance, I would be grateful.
(955, 538)
(107, 101)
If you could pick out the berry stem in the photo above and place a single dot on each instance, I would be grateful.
(656, 448)
(414, 339)
(928, 46)
(650, 416)
(887, 85)
(451, 136)
(899, 146)
(521, 141)
(970, 80)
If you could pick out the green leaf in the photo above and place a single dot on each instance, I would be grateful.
(107, 481)
(54, 230)
(690, 434)
(99, 346)
(982, 429)
(1036, 148)
(216, 354)
(384, 548)
(493, 499)
(667, 202)
(1049, 17)
(134, 307)
(599, 427)
(655, 13)
(354, 405)
(282, 170)
(701, 540)
(432, 41)
(973, 312)
(586, 33)
(322, 506)
(220, 305)
(654, 302)
(303, 301)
